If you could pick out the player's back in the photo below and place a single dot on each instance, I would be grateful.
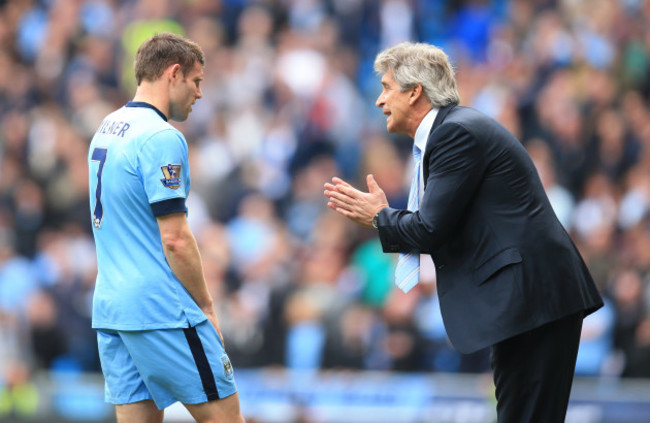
(133, 164)
(115, 188)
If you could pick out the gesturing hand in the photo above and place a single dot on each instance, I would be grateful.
(356, 205)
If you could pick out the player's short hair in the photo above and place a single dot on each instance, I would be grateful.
(421, 63)
(162, 50)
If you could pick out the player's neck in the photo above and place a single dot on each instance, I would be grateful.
(150, 92)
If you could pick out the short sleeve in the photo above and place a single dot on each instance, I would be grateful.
(164, 169)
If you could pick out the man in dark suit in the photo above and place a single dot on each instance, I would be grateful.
(508, 274)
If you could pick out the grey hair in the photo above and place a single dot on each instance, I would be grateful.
(420, 63)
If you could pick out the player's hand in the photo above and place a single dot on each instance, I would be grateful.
(356, 205)
(212, 317)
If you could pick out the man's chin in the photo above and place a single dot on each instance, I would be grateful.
(181, 117)
(389, 125)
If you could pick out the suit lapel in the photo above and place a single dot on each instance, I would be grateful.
(440, 117)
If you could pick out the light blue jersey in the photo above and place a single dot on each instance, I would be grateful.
(138, 166)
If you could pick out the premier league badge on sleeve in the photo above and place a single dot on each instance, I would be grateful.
(172, 179)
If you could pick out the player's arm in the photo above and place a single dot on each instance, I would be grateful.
(182, 253)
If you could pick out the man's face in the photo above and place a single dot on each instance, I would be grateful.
(185, 90)
(395, 105)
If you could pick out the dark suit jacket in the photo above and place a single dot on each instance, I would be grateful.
(504, 263)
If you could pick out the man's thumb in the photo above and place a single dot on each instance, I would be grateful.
(372, 184)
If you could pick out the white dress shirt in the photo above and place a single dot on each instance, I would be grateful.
(420, 140)
(427, 268)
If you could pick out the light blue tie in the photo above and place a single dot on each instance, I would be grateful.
(407, 271)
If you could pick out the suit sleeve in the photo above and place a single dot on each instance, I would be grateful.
(456, 167)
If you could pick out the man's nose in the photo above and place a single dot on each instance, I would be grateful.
(380, 100)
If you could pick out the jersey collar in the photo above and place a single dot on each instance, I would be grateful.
(148, 106)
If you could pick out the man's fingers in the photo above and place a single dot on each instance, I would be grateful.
(339, 181)
(348, 191)
(330, 193)
(340, 210)
(343, 189)
(351, 202)
(339, 185)
(340, 203)
(344, 212)
(215, 323)
(341, 196)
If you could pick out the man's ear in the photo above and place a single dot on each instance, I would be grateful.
(416, 93)
(173, 70)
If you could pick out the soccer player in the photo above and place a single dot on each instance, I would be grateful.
(158, 335)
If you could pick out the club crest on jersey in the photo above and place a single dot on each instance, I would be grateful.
(227, 367)
(172, 179)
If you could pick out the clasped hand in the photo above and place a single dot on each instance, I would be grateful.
(356, 205)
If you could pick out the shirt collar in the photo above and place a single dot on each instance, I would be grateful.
(422, 133)
(148, 106)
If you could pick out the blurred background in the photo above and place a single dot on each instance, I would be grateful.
(312, 322)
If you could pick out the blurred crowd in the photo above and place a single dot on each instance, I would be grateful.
(288, 102)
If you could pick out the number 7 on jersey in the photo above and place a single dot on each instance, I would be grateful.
(99, 155)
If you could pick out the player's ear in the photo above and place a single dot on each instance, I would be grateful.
(173, 71)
